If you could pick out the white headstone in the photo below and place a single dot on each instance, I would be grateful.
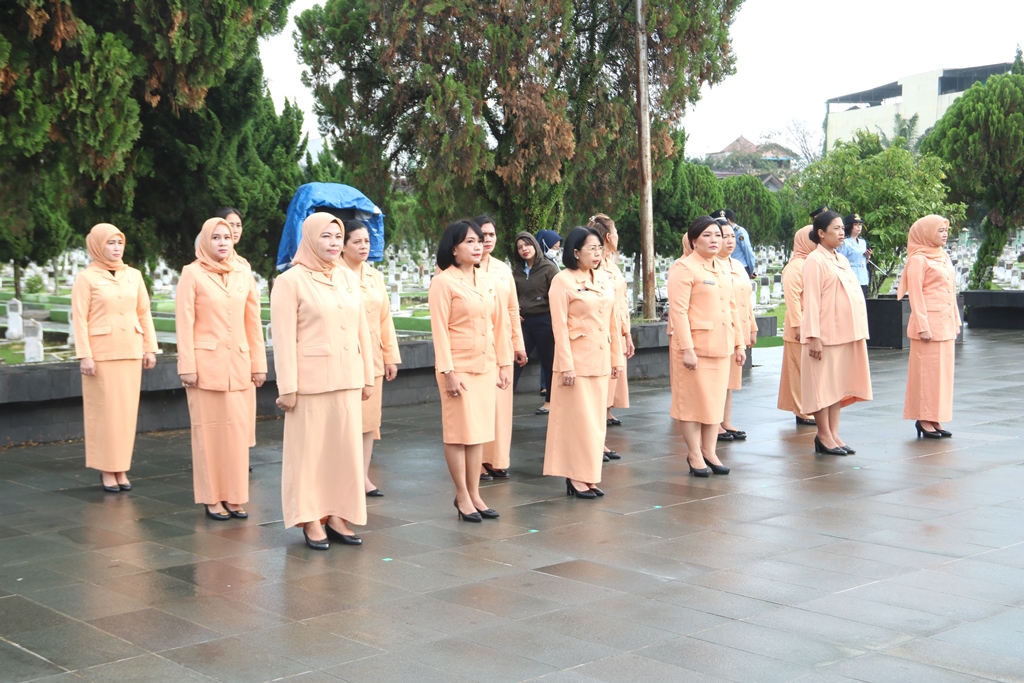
(71, 329)
(396, 302)
(15, 324)
(270, 338)
(765, 293)
(33, 342)
(777, 286)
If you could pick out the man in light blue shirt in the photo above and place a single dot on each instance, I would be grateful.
(744, 252)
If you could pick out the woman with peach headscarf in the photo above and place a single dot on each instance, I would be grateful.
(930, 281)
(324, 371)
(114, 341)
(747, 325)
(221, 362)
(792, 290)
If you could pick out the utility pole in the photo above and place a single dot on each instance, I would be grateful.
(643, 115)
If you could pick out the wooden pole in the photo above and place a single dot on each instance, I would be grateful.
(644, 134)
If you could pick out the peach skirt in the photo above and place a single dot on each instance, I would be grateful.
(468, 419)
(736, 376)
(372, 408)
(699, 395)
(110, 404)
(618, 391)
(221, 432)
(930, 381)
(322, 468)
(841, 376)
(576, 429)
(789, 380)
(496, 453)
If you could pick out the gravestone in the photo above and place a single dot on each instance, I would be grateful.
(270, 338)
(15, 324)
(1015, 278)
(777, 286)
(71, 329)
(396, 302)
(765, 293)
(33, 342)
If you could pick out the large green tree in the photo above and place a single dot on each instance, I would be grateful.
(527, 107)
(890, 187)
(77, 78)
(755, 207)
(982, 136)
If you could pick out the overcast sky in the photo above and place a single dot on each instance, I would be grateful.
(791, 55)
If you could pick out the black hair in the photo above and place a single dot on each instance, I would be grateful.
(225, 211)
(573, 241)
(821, 222)
(698, 226)
(484, 218)
(352, 225)
(730, 216)
(454, 235)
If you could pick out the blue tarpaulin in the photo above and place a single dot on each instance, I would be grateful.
(341, 200)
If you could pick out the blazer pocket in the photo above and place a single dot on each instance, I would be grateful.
(574, 335)
(243, 347)
(318, 350)
(205, 345)
(701, 324)
(100, 329)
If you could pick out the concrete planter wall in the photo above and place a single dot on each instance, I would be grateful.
(994, 309)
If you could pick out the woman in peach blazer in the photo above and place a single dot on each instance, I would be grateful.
(114, 341)
(221, 362)
(383, 338)
(742, 290)
(930, 281)
(324, 365)
(834, 369)
(472, 355)
(496, 457)
(792, 289)
(704, 320)
(588, 352)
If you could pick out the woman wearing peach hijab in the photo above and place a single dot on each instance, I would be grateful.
(221, 362)
(114, 341)
(383, 338)
(618, 388)
(324, 371)
(704, 318)
(834, 369)
(930, 281)
(792, 289)
(747, 329)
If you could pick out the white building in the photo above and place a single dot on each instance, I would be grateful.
(928, 95)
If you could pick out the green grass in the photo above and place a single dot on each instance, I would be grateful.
(12, 354)
(412, 324)
(768, 342)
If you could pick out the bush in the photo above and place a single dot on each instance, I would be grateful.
(34, 284)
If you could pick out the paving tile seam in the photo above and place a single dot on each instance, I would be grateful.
(34, 654)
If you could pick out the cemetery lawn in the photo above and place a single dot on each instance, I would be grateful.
(12, 354)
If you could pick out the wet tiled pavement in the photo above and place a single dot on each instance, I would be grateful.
(902, 563)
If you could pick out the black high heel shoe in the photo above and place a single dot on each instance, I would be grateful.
(705, 472)
(570, 490)
(597, 491)
(921, 431)
(109, 489)
(347, 539)
(223, 516)
(737, 434)
(726, 436)
(849, 451)
(489, 513)
(471, 517)
(320, 544)
(717, 469)
(821, 448)
(943, 432)
(805, 421)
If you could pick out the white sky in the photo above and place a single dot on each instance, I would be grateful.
(792, 55)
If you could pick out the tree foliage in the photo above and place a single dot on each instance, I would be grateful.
(982, 136)
(525, 107)
(890, 188)
(755, 207)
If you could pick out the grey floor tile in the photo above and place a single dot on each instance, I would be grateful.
(75, 645)
(630, 667)
(473, 660)
(962, 658)
(154, 630)
(232, 661)
(144, 669)
(603, 629)
(724, 662)
(19, 614)
(787, 646)
(390, 668)
(21, 665)
(308, 645)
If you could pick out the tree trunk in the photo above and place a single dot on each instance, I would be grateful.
(988, 254)
(17, 282)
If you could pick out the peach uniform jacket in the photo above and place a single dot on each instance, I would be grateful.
(469, 326)
(789, 379)
(835, 312)
(321, 353)
(742, 290)
(618, 389)
(585, 324)
(383, 341)
(497, 452)
(931, 285)
(703, 316)
(220, 340)
(113, 326)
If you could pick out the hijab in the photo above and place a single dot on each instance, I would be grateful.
(802, 244)
(924, 240)
(306, 254)
(97, 239)
(205, 255)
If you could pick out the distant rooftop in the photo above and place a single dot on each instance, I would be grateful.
(951, 80)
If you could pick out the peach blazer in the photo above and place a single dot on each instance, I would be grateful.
(377, 305)
(702, 309)
(833, 302)
(792, 291)
(585, 323)
(506, 285)
(321, 337)
(621, 300)
(931, 284)
(468, 323)
(220, 335)
(111, 315)
(742, 290)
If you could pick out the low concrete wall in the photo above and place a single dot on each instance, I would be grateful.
(43, 403)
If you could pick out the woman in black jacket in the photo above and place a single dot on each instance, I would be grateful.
(533, 274)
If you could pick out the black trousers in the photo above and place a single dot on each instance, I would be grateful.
(537, 335)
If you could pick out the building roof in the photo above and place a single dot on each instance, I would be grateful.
(951, 80)
(740, 145)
